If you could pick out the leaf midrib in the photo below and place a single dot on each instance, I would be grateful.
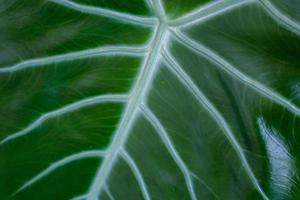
(137, 96)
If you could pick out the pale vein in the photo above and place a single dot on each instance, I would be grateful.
(278, 16)
(109, 194)
(135, 170)
(201, 98)
(208, 11)
(81, 197)
(89, 53)
(66, 109)
(124, 17)
(60, 163)
(158, 8)
(233, 71)
(170, 147)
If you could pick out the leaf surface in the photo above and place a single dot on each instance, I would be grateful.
(149, 99)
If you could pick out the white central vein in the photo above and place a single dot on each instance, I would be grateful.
(137, 95)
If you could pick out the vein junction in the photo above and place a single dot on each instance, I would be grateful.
(136, 100)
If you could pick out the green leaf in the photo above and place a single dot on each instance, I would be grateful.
(149, 99)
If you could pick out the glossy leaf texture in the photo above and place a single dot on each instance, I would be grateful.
(183, 99)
